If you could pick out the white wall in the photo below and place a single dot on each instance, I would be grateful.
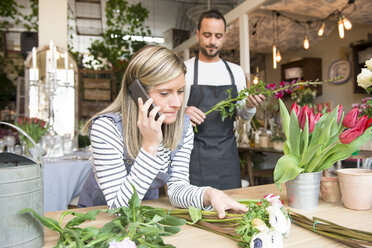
(53, 22)
(329, 51)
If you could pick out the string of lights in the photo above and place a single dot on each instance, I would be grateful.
(342, 23)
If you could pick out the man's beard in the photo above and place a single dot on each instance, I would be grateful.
(210, 55)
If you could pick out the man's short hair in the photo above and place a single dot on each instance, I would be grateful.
(213, 13)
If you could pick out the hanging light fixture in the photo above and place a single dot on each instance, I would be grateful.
(306, 43)
(347, 23)
(321, 29)
(341, 31)
(278, 55)
(306, 40)
(274, 43)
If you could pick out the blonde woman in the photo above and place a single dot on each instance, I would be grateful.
(131, 147)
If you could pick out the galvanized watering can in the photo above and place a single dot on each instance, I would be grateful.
(21, 186)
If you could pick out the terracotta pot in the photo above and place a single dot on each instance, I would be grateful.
(356, 185)
(330, 189)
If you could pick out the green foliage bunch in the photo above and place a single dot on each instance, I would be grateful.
(142, 224)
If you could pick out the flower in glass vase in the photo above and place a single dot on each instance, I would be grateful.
(33, 127)
(364, 78)
(315, 142)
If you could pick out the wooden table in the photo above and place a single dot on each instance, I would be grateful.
(194, 237)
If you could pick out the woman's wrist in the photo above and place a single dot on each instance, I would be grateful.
(207, 197)
(151, 149)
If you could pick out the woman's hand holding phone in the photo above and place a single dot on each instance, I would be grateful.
(150, 128)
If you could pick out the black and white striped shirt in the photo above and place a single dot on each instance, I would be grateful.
(115, 183)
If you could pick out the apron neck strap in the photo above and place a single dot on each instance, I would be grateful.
(196, 62)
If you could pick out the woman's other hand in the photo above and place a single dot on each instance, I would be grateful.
(222, 202)
(149, 127)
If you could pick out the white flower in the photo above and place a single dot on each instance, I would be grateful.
(126, 243)
(277, 219)
(259, 225)
(275, 239)
(289, 223)
(274, 200)
(369, 64)
(364, 78)
(260, 240)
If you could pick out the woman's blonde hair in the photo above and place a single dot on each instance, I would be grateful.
(152, 65)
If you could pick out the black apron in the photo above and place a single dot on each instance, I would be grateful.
(214, 160)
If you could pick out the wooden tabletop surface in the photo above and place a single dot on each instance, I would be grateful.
(195, 237)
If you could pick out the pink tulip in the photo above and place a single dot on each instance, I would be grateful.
(349, 135)
(295, 108)
(317, 117)
(350, 118)
(319, 107)
(305, 111)
(339, 112)
(361, 123)
(368, 123)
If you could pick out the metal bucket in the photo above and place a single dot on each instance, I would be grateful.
(21, 186)
(303, 191)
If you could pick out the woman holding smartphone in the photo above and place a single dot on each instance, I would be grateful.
(132, 147)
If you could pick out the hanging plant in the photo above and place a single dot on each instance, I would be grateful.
(124, 22)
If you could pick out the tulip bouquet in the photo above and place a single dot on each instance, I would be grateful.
(264, 225)
(315, 142)
(33, 127)
(364, 78)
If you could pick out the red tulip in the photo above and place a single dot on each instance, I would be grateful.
(339, 112)
(319, 108)
(20, 120)
(42, 124)
(350, 118)
(361, 123)
(295, 108)
(317, 117)
(305, 111)
(368, 123)
(349, 135)
(36, 120)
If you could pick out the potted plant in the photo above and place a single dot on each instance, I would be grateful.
(314, 143)
(277, 138)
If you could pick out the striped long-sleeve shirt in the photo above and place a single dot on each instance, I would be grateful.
(115, 182)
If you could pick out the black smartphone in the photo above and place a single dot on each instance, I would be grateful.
(136, 90)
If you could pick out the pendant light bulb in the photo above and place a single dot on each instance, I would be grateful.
(255, 80)
(306, 43)
(347, 23)
(278, 56)
(321, 29)
(274, 56)
(341, 30)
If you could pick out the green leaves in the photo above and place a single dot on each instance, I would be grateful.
(142, 224)
(286, 169)
(195, 214)
(48, 222)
